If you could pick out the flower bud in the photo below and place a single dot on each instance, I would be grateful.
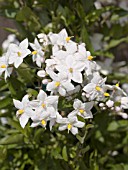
(109, 103)
(41, 73)
(101, 104)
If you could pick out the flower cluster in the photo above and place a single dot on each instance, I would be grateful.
(71, 73)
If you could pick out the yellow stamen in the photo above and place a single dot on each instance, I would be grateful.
(106, 94)
(69, 126)
(43, 122)
(68, 38)
(117, 85)
(57, 84)
(71, 70)
(98, 88)
(21, 111)
(43, 105)
(3, 66)
(90, 57)
(81, 111)
(19, 53)
(34, 52)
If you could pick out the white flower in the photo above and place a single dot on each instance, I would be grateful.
(10, 39)
(124, 102)
(72, 68)
(71, 124)
(110, 103)
(38, 54)
(45, 109)
(43, 38)
(41, 73)
(43, 102)
(85, 57)
(24, 110)
(123, 115)
(4, 67)
(40, 118)
(82, 109)
(95, 88)
(71, 47)
(60, 39)
(18, 53)
(60, 84)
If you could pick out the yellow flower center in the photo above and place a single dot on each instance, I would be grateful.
(43, 122)
(3, 66)
(57, 84)
(117, 85)
(43, 105)
(90, 57)
(69, 126)
(81, 111)
(106, 94)
(21, 111)
(71, 70)
(98, 88)
(68, 39)
(19, 53)
(34, 52)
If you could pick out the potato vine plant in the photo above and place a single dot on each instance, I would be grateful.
(70, 74)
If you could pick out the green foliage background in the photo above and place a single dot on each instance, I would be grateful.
(38, 149)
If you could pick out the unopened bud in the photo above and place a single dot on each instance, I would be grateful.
(110, 103)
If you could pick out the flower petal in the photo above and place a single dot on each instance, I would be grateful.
(23, 120)
(42, 96)
(77, 77)
(18, 104)
(74, 130)
(24, 44)
(79, 124)
(62, 127)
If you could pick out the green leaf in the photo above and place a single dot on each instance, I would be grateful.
(28, 16)
(16, 88)
(89, 126)
(5, 102)
(10, 13)
(32, 92)
(3, 153)
(16, 125)
(86, 39)
(25, 73)
(64, 153)
(113, 126)
(104, 54)
(11, 30)
(113, 43)
(81, 139)
(117, 167)
(12, 139)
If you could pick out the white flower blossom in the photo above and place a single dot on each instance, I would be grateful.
(4, 66)
(38, 54)
(72, 68)
(59, 39)
(18, 53)
(71, 124)
(82, 109)
(124, 102)
(60, 84)
(24, 110)
(95, 87)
